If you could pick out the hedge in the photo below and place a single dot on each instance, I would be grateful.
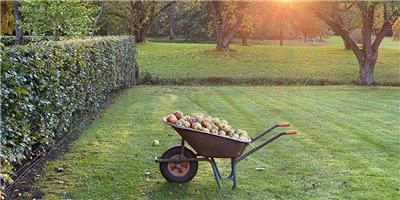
(10, 40)
(46, 86)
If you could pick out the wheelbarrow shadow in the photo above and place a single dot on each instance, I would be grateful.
(167, 190)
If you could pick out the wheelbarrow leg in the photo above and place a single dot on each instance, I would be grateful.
(216, 173)
(233, 174)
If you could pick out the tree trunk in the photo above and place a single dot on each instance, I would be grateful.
(17, 18)
(281, 35)
(223, 32)
(98, 15)
(366, 70)
(244, 40)
(305, 37)
(140, 36)
(171, 31)
(222, 44)
(171, 23)
(346, 44)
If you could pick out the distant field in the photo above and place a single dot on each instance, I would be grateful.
(327, 61)
(348, 146)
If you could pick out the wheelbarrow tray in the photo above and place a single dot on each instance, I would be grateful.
(210, 145)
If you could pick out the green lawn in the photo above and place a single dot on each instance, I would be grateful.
(348, 146)
(329, 61)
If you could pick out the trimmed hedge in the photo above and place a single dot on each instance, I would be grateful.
(10, 40)
(46, 86)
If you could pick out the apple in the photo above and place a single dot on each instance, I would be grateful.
(178, 114)
(236, 136)
(209, 126)
(205, 130)
(216, 121)
(244, 138)
(172, 119)
(224, 122)
(226, 128)
(180, 122)
(215, 127)
(186, 124)
(196, 125)
(192, 120)
(221, 133)
(206, 122)
(214, 131)
(199, 118)
(156, 143)
(244, 133)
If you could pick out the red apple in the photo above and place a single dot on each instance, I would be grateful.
(178, 114)
(215, 127)
(206, 121)
(196, 125)
(172, 119)
(192, 120)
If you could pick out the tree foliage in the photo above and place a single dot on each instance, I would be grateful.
(186, 19)
(136, 17)
(371, 25)
(227, 19)
(57, 18)
(7, 18)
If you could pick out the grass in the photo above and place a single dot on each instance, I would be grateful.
(329, 62)
(348, 146)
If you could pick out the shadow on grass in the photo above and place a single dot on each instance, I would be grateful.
(148, 78)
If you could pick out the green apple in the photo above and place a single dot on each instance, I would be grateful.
(236, 136)
(199, 118)
(244, 133)
(156, 143)
(186, 124)
(224, 122)
(216, 121)
(214, 131)
(222, 133)
(205, 130)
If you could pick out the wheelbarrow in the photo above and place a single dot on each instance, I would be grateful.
(179, 164)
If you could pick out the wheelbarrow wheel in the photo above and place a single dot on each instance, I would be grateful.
(178, 172)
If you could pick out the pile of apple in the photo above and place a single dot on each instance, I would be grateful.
(207, 124)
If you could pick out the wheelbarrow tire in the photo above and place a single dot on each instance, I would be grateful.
(178, 172)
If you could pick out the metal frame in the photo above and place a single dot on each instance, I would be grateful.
(234, 161)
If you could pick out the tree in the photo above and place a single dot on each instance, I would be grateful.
(346, 15)
(305, 22)
(7, 18)
(396, 30)
(138, 15)
(57, 18)
(17, 20)
(251, 21)
(99, 14)
(227, 18)
(368, 54)
(248, 26)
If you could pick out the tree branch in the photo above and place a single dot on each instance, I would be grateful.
(337, 28)
(386, 27)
